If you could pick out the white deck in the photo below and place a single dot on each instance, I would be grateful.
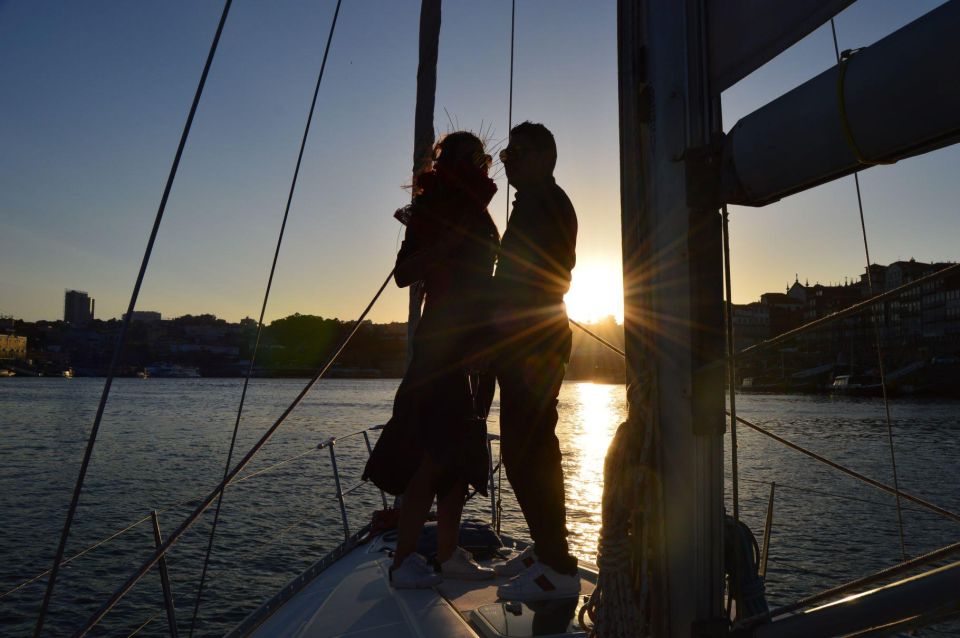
(353, 598)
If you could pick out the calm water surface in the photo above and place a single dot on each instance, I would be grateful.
(163, 443)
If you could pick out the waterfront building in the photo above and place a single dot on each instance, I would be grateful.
(13, 347)
(78, 307)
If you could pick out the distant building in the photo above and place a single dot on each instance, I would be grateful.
(145, 316)
(13, 347)
(77, 307)
(751, 324)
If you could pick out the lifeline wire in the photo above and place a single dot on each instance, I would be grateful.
(208, 501)
(146, 518)
(263, 310)
(122, 337)
(876, 332)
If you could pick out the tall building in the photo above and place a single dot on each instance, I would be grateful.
(77, 307)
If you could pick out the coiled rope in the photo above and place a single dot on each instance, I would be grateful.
(263, 310)
(630, 537)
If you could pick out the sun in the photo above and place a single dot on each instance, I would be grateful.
(596, 292)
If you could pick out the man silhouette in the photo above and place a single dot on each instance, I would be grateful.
(533, 274)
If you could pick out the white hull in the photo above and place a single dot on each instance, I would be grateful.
(351, 596)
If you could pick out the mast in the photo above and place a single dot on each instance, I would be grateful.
(673, 293)
(423, 131)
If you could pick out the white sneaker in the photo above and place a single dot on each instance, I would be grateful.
(414, 573)
(517, 564)
(461, 566)
(540, 583)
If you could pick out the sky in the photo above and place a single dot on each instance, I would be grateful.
(95, 95)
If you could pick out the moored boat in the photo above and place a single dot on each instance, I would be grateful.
(171, 371)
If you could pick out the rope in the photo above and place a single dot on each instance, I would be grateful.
(125, 325)
(873, 317)
(620, 606)
(77, 555)
(263, 310)
(842, 59)
(600, 339)
(731, 366)
(208, 501)
(513, 19)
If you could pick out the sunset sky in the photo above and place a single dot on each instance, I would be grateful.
(95, 95)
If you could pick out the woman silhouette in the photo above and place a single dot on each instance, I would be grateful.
(435, 443)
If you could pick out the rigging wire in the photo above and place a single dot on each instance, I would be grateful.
(208, 500)
(513, 19)
(125, 325)
(876, 331)
(731, 366)
(263, 310)
(882, 486)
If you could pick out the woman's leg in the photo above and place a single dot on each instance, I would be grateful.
(449, 510)
(417, 499)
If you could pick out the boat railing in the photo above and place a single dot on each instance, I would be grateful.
(329, 444)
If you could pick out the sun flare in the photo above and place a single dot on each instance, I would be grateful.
(595, 293)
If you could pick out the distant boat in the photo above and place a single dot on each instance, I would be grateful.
(172, 371)
(143, 374)
(856, 385)
(68, 373)
(4, 372)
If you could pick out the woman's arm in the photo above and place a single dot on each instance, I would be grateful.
(413, 265)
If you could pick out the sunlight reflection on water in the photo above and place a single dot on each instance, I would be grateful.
(164, 441)
(589, 417)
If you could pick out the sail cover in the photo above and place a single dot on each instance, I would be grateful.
(746, 34)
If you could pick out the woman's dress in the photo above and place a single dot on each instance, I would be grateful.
(436, 411)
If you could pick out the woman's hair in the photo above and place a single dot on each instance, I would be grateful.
(460, 146)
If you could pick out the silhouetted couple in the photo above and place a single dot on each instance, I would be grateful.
(511, 325)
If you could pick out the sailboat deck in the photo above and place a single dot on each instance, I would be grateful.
(353, 598)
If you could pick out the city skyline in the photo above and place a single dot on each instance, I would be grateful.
(153, 314)
(99, 98)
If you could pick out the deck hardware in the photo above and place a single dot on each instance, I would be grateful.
(767, 529)
(336, 478)
(366, 440)
(164, 577)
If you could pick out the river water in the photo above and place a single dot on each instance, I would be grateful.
(163, 443)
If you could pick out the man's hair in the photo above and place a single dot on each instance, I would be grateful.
(539, 137)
